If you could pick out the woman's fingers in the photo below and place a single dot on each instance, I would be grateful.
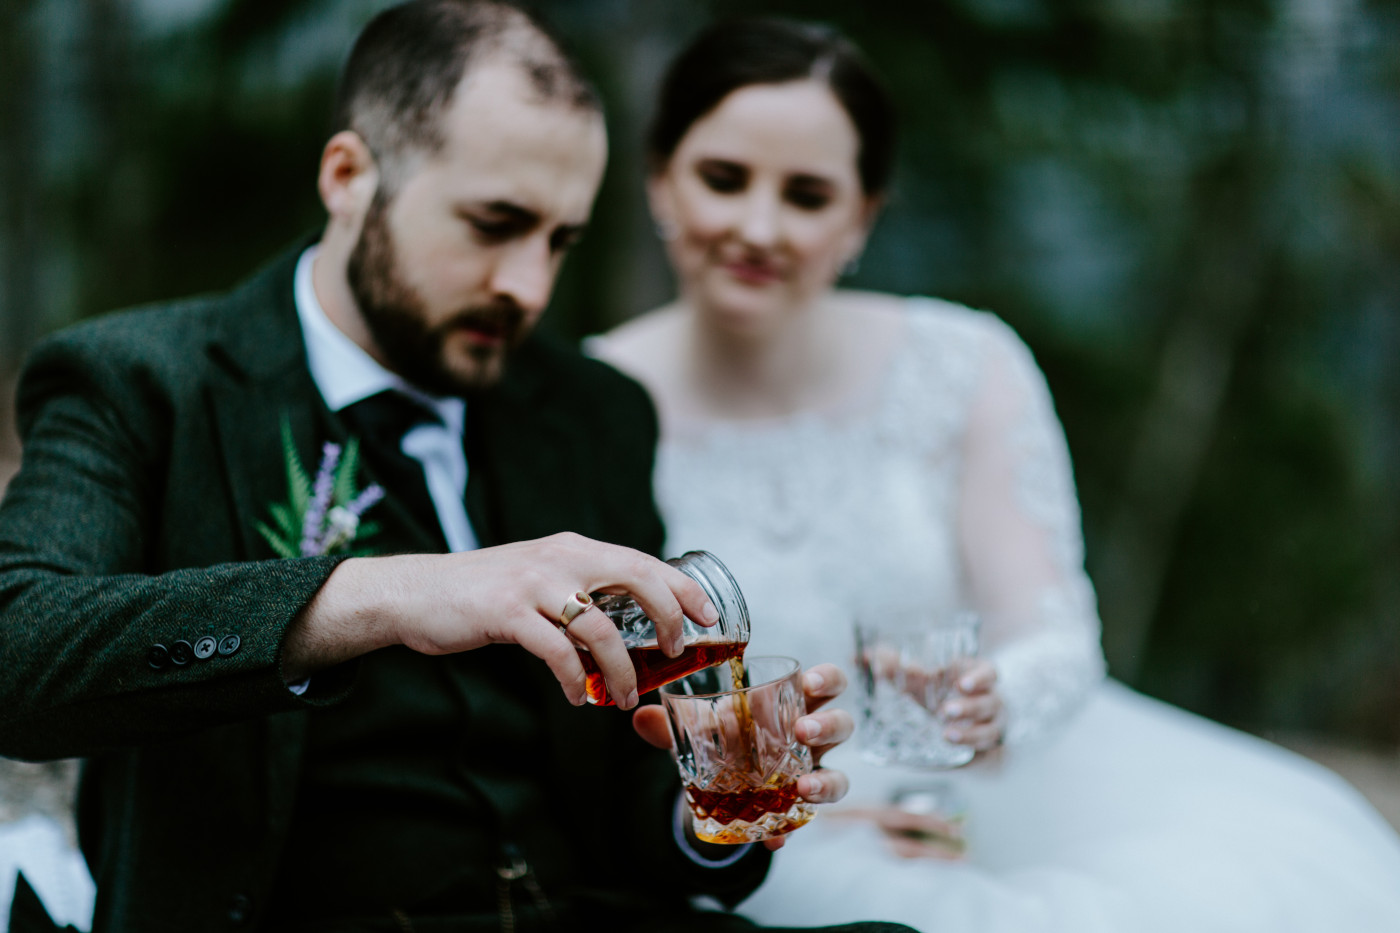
(913, 848)
(972, 710)
(977, 721)
(921, 835)
(902, 822)
(913, 835)
(978, 676)
(983, 738)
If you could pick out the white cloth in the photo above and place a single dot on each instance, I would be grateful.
(345, 374)
(55, 870)
(950, 486)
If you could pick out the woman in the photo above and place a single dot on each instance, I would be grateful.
(860, 455)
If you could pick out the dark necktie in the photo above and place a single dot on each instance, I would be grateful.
(380, 422)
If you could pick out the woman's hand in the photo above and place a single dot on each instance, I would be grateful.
(973, 713)
(913, 835)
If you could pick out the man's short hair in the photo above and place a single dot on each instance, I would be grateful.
(409, 61)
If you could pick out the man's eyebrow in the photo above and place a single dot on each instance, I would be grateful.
(521, 217)
(506, 209)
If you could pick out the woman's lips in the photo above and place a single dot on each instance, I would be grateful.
(752, 273)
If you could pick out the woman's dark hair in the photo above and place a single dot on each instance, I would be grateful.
(739, 53)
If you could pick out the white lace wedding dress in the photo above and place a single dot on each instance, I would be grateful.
(949, 485)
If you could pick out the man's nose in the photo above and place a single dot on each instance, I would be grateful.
(525, 274)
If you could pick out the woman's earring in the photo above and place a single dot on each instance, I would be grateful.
(666, 231)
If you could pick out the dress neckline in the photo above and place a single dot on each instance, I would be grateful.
(852, 410)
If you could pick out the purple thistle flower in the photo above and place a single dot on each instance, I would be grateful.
(370, 495)
(343, 521)
(311, 542)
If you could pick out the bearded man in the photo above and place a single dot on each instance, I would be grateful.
(290, 567)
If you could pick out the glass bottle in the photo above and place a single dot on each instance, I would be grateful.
(704, 646)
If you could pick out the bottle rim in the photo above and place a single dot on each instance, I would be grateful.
(707, 571)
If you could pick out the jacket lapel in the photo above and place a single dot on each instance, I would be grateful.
(260, 377)
(524, 481)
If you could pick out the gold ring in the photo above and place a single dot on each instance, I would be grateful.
(576, 606)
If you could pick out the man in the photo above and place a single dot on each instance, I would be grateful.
(347, 742)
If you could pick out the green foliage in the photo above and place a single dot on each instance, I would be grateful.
(290, 518)
(344, 489)
(298, 482)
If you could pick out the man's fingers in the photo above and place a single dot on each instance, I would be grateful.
(595, 633)
(822, 729)
(651, 724)
(821, 684)
(823, 786)
(826, 728)
(668, 598)
(546, 642)
(661, 590)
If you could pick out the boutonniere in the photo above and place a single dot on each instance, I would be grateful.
(324, 513)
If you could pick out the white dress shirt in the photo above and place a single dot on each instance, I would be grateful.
(345, 374)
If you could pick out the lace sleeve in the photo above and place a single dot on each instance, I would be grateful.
(1022, 548)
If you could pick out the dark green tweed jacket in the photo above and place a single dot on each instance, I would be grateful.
(151, 449)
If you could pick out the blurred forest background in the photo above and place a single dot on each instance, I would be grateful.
(1189, 208)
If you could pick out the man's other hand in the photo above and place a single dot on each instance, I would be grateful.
(821, 730)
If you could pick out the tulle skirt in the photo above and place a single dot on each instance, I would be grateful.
(1137, 817)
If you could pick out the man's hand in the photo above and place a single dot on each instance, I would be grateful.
(821, 730)
(512, 594)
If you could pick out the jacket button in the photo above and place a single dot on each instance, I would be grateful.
(181, 653)
(204, 648)
(240, 908)
(157, 656)
(228, 646)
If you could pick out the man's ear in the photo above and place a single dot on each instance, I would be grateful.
(348, 178)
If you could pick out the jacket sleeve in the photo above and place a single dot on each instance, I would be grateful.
(81, 613)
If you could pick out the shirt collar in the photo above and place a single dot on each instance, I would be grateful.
(343, 372)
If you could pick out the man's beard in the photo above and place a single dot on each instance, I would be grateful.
(396, 317)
